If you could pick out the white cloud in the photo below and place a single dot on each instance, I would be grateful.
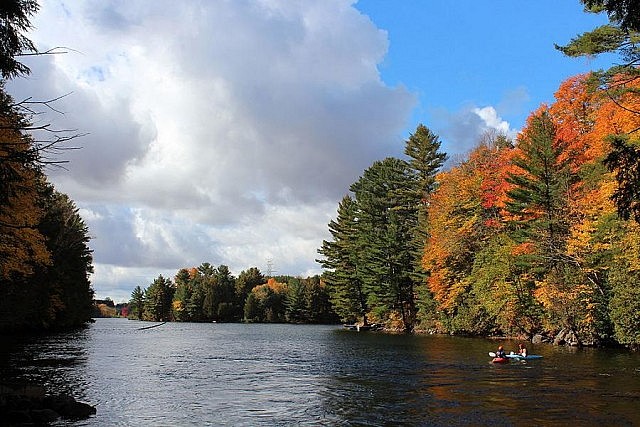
(221, 132)
(492, 121)
(462, 130)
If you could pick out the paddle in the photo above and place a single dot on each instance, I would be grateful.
(492, 354)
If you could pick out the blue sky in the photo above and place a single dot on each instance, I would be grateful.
(455, 55)
(228, 131)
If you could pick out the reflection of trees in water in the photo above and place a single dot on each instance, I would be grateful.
(57, 363)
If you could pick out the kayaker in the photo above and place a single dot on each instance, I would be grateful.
(522, 350)
(500, 353)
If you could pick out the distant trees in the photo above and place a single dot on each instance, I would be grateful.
(208, 293)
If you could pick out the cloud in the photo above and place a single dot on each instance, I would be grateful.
(222, 132)
(462, 130)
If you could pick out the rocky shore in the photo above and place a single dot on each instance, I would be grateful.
(31, 405)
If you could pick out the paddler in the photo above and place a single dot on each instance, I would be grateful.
(522, 350)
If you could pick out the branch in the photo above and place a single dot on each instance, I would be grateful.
(615, 101)
(53, 51)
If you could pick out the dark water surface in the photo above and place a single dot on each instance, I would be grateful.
(182, 374)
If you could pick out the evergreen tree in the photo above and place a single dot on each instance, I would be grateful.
(386, 221)
(158, 299)
(225, 283)
(539, 198)
(343, 264)
(624, 160)
(136, 303)
(245, 282)
(68, 299)
(425, 160)
(317, 304)
(539, 204)
(14, 22)
(296, 309)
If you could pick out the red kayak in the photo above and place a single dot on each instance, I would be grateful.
(500, 360)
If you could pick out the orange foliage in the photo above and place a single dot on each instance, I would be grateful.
(574, 115)
(276, 287)
(463, 212)
(22, 246)
(193, 272)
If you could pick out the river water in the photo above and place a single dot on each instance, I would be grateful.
(184, 374)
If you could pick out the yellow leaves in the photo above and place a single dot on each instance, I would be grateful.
(106, 311)
(629, 254)
(178, 306)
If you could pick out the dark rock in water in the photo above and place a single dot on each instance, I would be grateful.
(15, 416)
(44, 416)
(68, 407)
(29, 405)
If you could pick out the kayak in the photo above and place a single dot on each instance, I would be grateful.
(520, 357)
(500, 360)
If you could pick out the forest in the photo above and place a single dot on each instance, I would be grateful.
(519, 238)
(537, 235)
(210, 294)
(533, 236)
(45, 261)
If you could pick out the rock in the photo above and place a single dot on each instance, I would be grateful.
(566, 337)
(572, 339)
(15, 416)
(538, 339)
(68, 407)
(29, 405)
(44, 416)
(559, 339)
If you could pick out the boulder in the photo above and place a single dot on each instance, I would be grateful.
(29, 405)
(43, 416)
(538, 339)
(566, 337)
(68, 407)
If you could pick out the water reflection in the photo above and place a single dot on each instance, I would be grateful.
(58, 363)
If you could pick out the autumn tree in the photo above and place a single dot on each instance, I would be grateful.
(22, 246)
(464, 225)
(619, 84)
(267, 303)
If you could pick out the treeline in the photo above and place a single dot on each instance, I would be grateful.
(44, 258)
(210, 294)
(533, 236)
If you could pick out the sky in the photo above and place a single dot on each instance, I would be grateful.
(227, 131)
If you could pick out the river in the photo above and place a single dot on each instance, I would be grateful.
(187, 374)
